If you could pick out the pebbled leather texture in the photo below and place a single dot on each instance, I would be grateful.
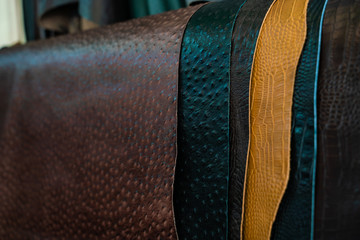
(278, 49)
(88, 133)
(337, 206)
(201, 181)
(246, 30)
(296, 208)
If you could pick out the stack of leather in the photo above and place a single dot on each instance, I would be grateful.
(224, 120)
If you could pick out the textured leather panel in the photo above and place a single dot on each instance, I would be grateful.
(246, 30)
(296, 211)
(278, 50)
(337, 209)
(88, 134)
(201, 182)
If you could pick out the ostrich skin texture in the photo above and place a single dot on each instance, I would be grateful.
(278, 49)
(88, 132)
(337, 199)
(202, 170)
(296, 208)
(246, 30)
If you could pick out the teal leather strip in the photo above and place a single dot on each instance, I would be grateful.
(246, 30)
(295, 216)
(315, 123)
(202, 171)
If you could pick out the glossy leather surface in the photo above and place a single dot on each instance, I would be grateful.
(201, 181)
(296, 211)
(337, 206)
(277, 53)
(88, 133)
(246, 30)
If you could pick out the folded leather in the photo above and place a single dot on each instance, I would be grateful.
(202, 171)
(246, 30)
(296, 208)
(88, 132)
(337, 209)
(278, 49)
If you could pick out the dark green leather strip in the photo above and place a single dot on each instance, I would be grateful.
(246, 30)
(295, 211)
(202, 172)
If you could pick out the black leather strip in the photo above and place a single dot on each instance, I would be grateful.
(246, 30)
(337, 209)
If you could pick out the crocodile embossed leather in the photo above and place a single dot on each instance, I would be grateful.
(337, 209)
(296, 208)
(281, 39)
(201, 182)
(246, 30)
(88, 132)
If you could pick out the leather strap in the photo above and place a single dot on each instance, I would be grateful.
(88, 134)
(337, 206)
(296, 209)
(246, 30)
(202, 171)
(277, 53)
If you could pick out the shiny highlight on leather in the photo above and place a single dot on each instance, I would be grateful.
(202, 171)
(246, 30)
(88, 132)
(296, 208)
(278, 49)
(337, 209)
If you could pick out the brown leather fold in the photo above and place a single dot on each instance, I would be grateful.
(88, 132)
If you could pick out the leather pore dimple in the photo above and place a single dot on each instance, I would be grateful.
(88, 142)
(278, 49)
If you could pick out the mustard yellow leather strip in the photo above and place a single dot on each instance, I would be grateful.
(279, 45)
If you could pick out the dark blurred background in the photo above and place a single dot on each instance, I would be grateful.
(28, 20)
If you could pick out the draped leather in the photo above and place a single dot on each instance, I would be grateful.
(201, 182)
(88, 133)
(337, 209)
(246, 30)
(296, 208)
(278, 49)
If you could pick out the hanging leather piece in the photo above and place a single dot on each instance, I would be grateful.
(296, 208)
(202, 171)
(277, 53)
(337, 209)
(88, 132)
(246, 30)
